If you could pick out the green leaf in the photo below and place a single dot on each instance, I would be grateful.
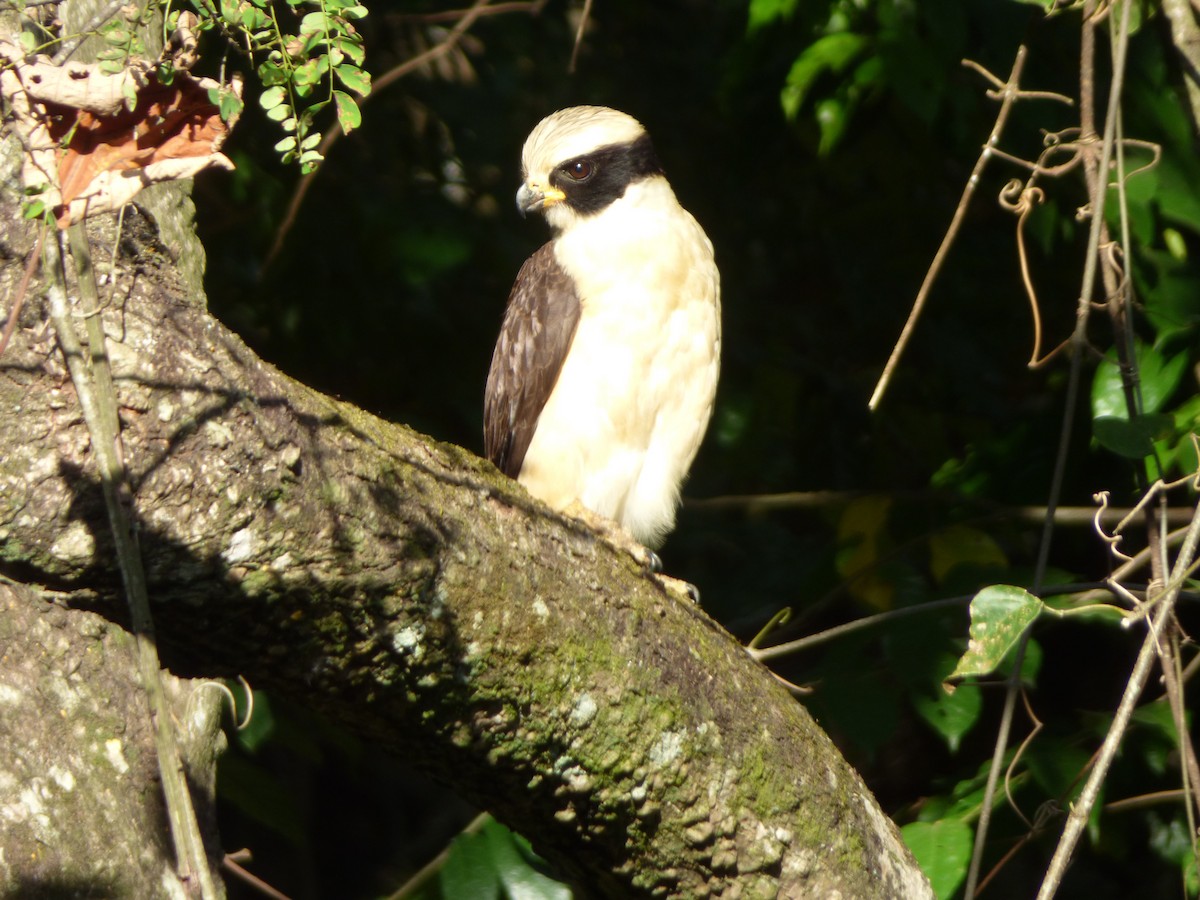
(286, 145)
(1132, 439)
(951, 715)
(280, 112)
(861, 705)
(1031, 664)
(229, 12)
(833, 52)
(315, 43)
(355, 12)
(999, 616)
(33, 209)
(833, 115)
(261, 725)
(520, 879)
(272, 97)
(307, 74)
(1175, 243)
(348, 113)
(254, 19)
(355, 79)
(964, 803)
(764, 12)
(1157, 376)
(943, 850)
(231, 106)
(271, 73)
(314, 23)
(469, 870)
(352, 47)
(1054, 763)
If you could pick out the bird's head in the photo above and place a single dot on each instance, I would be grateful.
(579, 160)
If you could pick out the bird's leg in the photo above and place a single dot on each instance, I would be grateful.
(619, 538)
(616, 536)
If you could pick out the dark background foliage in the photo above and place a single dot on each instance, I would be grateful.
(389, 288)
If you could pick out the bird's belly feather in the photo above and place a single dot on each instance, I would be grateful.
(630, 406)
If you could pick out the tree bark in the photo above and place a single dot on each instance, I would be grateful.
(401, 587)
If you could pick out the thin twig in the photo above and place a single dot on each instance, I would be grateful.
(22, 290)
(466, 19)
(1027, 201)
(768, 653)
(1012, 691)
(1082, 807)
(752, 504)
(1189, 769)
(1078, 343)
(533, 7)
(584, 15)
(1009, 94)
(812, 640)
(71, 44)
(233, 865)
(1045, 815)
(438, 50)
(1185, 35)
(1168, 650)
(1098, 190)
(431, 868)
(92, 378)
(1141, 801)
(1038, 725)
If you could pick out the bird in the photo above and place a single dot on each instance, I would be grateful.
(604, 375)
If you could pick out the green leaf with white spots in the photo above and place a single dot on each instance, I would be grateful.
(999, 616)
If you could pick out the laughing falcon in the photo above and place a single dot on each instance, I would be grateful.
(602, 380)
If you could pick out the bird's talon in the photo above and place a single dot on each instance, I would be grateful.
(680, 588)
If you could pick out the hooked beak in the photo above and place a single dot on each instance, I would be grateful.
(532, 196)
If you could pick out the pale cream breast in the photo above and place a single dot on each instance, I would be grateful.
(635, 394)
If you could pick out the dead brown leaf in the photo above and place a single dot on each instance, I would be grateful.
(169, 122)
(97, 156)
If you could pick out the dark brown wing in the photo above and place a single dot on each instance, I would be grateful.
(539, 324)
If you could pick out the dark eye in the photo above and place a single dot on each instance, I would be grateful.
(580, 170)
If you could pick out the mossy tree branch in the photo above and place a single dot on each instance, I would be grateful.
(410, 593)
